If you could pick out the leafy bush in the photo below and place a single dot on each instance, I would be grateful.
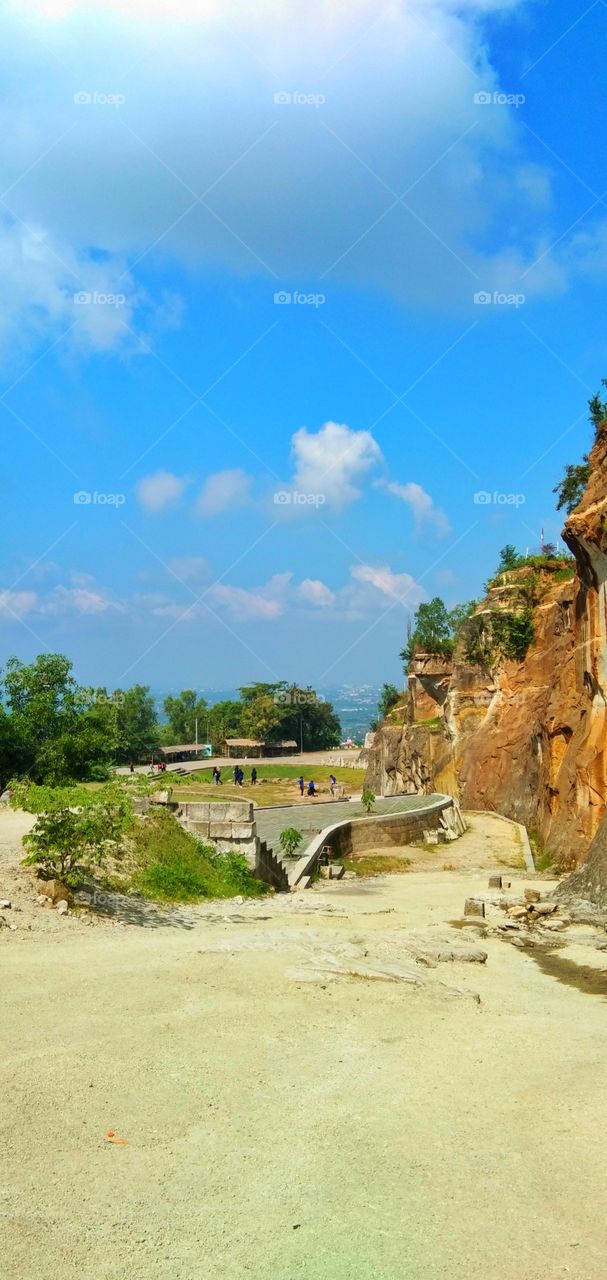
(174, 866)
(99, 773)
(290, 840)
(497, 633)
(76, 829)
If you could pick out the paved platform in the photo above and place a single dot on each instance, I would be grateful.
(312, 818)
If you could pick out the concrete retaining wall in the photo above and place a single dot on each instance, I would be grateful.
(380, 831)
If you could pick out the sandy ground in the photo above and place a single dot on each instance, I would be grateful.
(285, 1119)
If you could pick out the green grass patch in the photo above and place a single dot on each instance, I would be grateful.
(173, 866)
(268, 772)
(377, 864)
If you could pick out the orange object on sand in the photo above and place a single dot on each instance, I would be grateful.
(110, 1133)
(118, 1142)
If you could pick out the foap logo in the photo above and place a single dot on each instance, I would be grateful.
(485, 499)
(85, 299)
(286, 99)
(87, 98)
(95, 898)
(86, 499)
(98, 697)
(293, 497)
(497, 99)
(298, 299)
(498, 299)
(296, 698)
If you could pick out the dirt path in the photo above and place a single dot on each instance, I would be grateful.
(285, 1120)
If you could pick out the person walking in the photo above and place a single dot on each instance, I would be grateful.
(301, 784)
(333, 781)
(253, 776)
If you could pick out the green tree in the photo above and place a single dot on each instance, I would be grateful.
(431, 632)
(225, 721)
(182, 712)
(262, 718)
(598, 411)
(307, 718)
(570, 490)
(57, 730)
(509, 558)
(138, 733)
(389, 696)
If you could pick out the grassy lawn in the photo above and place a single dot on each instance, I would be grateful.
(276, 783)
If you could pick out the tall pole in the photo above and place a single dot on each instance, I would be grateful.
(301, 734)
(196, 730)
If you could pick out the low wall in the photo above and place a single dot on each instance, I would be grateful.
(386, 830)
(226, 826)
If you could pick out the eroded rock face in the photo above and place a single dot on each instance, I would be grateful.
(529, 738)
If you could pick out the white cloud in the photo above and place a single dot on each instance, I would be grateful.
(464, 166)
(79, 600)
(245, 604)
(160, 490)
(49, 288)
(17, 604)
(316, 592)
(424, 510)
(224, 491)
(331, 462)
(398, 587)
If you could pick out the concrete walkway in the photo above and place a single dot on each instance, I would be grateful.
(312, 818)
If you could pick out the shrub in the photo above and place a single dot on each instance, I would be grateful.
(290, 840)
(497, 633)
(367, 800)
(76, 830)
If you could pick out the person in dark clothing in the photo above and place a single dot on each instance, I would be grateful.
(253, 776)
(333, 781)
(301, 784)
(311, 789)
(236, 773)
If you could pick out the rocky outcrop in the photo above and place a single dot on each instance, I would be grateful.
(527, 738)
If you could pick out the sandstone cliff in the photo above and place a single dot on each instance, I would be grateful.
(526, 737)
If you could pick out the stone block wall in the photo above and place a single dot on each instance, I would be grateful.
(228, 827)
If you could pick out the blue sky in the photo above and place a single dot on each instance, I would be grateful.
(167, 183)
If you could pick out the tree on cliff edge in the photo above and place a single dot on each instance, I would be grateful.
(589, 881)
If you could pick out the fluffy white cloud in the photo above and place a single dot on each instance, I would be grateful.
(224, 491)
(424, 510)
(331, 462)
(462, 169)
(159, 490)
(245, 604)
(316, 592)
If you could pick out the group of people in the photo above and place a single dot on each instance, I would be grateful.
(311, 788)
(238, 776)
